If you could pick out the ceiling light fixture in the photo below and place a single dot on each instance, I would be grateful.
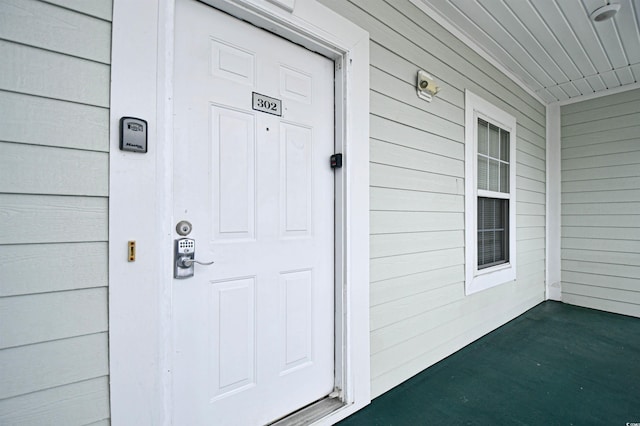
(605, 12)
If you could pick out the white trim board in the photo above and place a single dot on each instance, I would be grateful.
(141, 186)
(447, 25)
(553, 205)
(475, 280)
(600, 94)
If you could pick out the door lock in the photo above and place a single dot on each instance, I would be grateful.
(184, 228)
(184, 258)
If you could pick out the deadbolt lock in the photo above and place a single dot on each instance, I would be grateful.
(184, 228)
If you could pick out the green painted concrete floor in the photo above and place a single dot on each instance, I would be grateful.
(556, 364)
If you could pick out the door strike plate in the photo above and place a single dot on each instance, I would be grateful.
(336, 161)
(131, 252)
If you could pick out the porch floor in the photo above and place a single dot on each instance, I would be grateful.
(556, 364)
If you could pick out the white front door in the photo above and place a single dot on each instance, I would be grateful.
(253, 334)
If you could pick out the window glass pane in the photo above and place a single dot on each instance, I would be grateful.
(483, 172)
(487, 256)
(504, 145)
(493, 166)
(494, 141)
(497, 247)
(504, 177)
(483, 137)
(493, 232)
(494, 183)
(487, 221)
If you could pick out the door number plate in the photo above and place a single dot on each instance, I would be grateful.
(266, 104)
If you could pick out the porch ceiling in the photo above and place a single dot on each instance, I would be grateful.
(551, 46)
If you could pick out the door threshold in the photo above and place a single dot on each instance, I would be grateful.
(311, 413)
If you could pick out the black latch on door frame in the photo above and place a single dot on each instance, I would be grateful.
(336, 161)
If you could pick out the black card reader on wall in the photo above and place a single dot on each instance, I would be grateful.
(133, 134)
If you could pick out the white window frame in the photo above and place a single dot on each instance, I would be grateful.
(481, 279)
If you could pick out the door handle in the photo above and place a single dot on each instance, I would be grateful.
(184, 258)
(187, 262)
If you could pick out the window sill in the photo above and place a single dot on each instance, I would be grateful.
(490, 277)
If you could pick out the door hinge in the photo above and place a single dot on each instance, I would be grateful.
(336, 161)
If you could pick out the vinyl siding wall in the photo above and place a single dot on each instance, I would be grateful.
(54, 141)
(419, 312)
(601, 203)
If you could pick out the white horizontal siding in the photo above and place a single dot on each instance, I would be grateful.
(386, 222)
(401, 287)
(603, 102)
(397, 66)
(390, 131)
(432, 345)
(419, 312)
(54, 143)
(611, 135)
(31, 368)
(60, 315)
(411, 158)
(41, 121)
(39, 72)
(54, 28)
(601, 232)
(99, 8)
(403, 91)
(602, 112)
(67, 266)
(596, 280)
(601, 203)
(605, 148)
(78, 403)
(600, 125)
(601, 268)
(384, 268)
(32, 219)
(386, 176)
(31, 169)
(605, 196)
(383, 245)
(405, 200)
(614, 245)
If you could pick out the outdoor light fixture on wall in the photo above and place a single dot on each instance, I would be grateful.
(426, 86)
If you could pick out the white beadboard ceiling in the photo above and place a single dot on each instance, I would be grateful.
(551, 46)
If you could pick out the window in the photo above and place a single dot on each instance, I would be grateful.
(490, 146)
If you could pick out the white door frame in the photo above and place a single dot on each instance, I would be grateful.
(141, 186)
